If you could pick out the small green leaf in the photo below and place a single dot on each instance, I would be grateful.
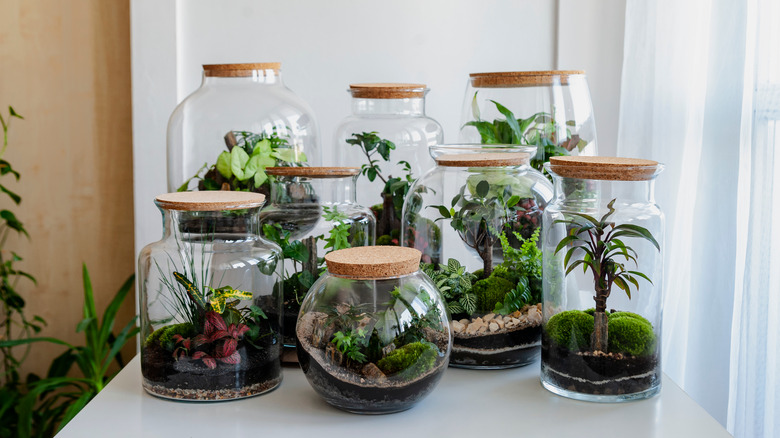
(13, 113)
(223, 164)
(482, 189)
(512, 201)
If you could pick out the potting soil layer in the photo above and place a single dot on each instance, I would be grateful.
(190, 379)
(353, 392)
(512, 348)
(599, 373)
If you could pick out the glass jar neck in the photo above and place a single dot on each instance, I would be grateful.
(210, 225)
(587, 193)
(305, 190)
(245, 77)
(413, 106)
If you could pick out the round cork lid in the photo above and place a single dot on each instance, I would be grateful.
(373, 261)
(491, 159)
(512, 79)
(313, 171)
(210, 200)
(238, 70)
(605, 168)
(387, 90)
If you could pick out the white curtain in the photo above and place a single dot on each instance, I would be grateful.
(687, 100)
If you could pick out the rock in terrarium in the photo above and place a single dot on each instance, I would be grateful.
(373, 335)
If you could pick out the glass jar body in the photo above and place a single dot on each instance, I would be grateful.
(308, 218)
(404, 123)
(553, 111)
(601, 343)
(228, 130)
(373, 345)
(477, 228)
(209, 301)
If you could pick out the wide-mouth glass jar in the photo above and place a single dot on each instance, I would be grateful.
(209, 298)
(551, 110)
(476, 218)
(372, 333)
(241, 120)
(312, 212)
(387, 136)
(603, 278)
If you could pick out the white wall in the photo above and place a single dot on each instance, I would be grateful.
(326, 45)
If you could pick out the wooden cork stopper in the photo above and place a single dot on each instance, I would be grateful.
(604, 168)
(492, 159)
(387, 90)
(511, 79)
(210, 200)
(313, 171)
(238, 70)
(371, 262)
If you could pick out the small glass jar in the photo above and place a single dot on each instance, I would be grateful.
(312, 212)
(372, 334)
(209, 300)
(553, 111)
(476, 219)
(388, 127)
(603, 278)
(241, 120)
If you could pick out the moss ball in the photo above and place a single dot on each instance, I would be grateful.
(411, 360)
(570, 329)
(384, 240)
(491, 291)
(630, 334)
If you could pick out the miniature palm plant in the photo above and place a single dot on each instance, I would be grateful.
(600, 243)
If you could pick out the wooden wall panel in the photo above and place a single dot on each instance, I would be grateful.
(65, 66)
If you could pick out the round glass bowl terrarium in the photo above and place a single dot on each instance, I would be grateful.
(241, 120)
(387, 135)
(476, 218)
(312, 212)
(548, 109)
(208, 294)
(372, 333)
(603, 277)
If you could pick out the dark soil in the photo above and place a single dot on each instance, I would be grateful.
(510, 349)
(599, 373)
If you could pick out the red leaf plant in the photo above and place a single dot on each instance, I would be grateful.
(218, 342)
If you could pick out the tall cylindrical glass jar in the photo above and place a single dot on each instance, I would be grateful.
(209, 300)
(476, 219)
(372, 333)
(603, 279)
(548, 109)
(312, 212)
(387, 135)
(241, 120)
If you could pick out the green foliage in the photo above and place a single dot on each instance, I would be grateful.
(516, 298)
(526, 261)
(490, 292)
(631, 334)
(411, 360)
(570, 329)
(371, 144)
(385, 240)
(413, 330)
(338, 236)
(350, 343)
(454, 282)
(163, 336)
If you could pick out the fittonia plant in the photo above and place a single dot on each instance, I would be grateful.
(602, 252)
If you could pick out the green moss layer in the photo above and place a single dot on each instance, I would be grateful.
(630, 333)
(571, 329)
(410, 361)
(163, 336)
(491, 291)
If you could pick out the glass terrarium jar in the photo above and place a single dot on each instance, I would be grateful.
(372, 333)
(241, 120)
(312, 212)
(476, 218)
(209, 300)
(387, 135)
(552, 110)
(603, 277)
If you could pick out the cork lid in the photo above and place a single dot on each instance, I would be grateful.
(605, 168)
(387, 90)
(238, 70)
(210, 200)
(313, 171)
(370, 262)
(491, 159)
(512, 79)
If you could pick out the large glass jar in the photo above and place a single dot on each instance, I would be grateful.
(372, 333)
(209, 300)
(312, 212)
(241, 120)
(601, 236)
(476, 219)
(387, 135)
(548, 109)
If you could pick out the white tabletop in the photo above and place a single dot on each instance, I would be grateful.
(467, 403)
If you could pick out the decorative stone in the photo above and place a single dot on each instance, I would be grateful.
(373, 372)
(465, 321)
(493, 327)
(456, 327)
(499, 322)
(473, 328)
(489, 317)
(389, 348)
